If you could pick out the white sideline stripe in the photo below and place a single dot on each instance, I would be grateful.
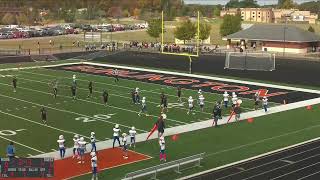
(22, 144)
(30, 155)
(204, 77)
(295, 171)
(251, 158)
(51, 127)
(309, 175)
(287, 161)
(111, 95)
(204, 124)
(149, 91)
(20, 130)
(115, 107)
(54, 150)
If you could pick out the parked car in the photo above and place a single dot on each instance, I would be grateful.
(72, 31)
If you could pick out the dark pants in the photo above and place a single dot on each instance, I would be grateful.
(116, 138)
(62, 152)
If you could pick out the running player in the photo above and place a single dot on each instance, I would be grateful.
(116, 131)
(55, 88)
(74, 91)
(164, 103)
(179, 93)
(162, 143)
(190, 102)
(105, 97)
(161, 125)
(74, 79)
(75, 149)
(82, 149)
(237, 111)
(93, 142)
(124, 146)
(234, 100)
(201, 102)
(94, 165)
(199, 91)
(90, 87)
(133, 133)
(62, 148)
(43, 112)
(14, 83)
(226, 99)
(115, 73)
(133, 96)
(265, 103)
(143, 107)
(256, 99)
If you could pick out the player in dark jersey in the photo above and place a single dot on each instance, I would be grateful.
(216, 114)
(105, 97)
(164, 104)
(133, 96)
(55, 88)
(179, 93)
(90, 87)
(74, 91)
(256, 99)
(43, 112)
(14, 83)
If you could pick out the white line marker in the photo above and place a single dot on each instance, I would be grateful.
(24, 107)
(30, 155)
(17, 109)
(18, 130)
(54, 150)
(34, 106)
(287, 161)
(21, 144)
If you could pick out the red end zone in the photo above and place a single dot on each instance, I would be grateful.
(107, 159)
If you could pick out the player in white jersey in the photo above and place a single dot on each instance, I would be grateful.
(133, 133)
(225, 99)
(234, 100)
(116, 132)
(124, 146)
(201, 102)
(163, 155)
(82, 149)
(265, 103)
(93, 142)
(75, 146)
(199, 91)
(143, 107)
(94, 165)
(62, 148)
(190, 104)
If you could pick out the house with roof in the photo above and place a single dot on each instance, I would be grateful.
(276, 38)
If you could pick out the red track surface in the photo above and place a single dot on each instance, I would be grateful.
(107, 159)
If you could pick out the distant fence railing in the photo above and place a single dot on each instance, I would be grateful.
(166, 166)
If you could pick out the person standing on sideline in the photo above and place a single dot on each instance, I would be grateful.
(161, 124)
(216, 114)
(115, 73)
(265, 103)
(237, 111)
(124, 146)
(90, 87)
(105, 97)
(226, 99)
(132, 133)
(116, 131)
(62, 148)
(11, 151)
(14, 83)
(94, 165)
(179, 93)
(256, 99)
(163, 155)
(93, 142)
(43, 112)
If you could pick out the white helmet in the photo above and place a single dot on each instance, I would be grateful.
(164, 116)
(76, 136)
(93, 153)
(144, 98)
(264, 97)
(92, 133)
(61, 137)
(82, 139)
(133, 128)
(225, 92)
(124, 134)
(116, 126)
(190, 97)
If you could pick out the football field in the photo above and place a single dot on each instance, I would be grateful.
(21, 120)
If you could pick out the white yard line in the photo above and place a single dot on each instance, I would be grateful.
(115, 107)
(22, 144)
(47, 126)
(66, 111)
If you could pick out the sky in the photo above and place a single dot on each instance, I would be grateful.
(213, 2)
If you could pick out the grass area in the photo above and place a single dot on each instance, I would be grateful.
(222, 145)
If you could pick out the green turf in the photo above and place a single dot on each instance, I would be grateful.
(21, 110)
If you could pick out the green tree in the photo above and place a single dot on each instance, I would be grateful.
(216, 11)
(311, 29)
(286, 4)
(8, 18)
(22, 19)
(205, 30)
(230, 25)
(185, 31)
(154, 28)
(242, 4)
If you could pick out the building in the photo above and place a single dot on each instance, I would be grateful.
(269, 15)
(276, 38)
